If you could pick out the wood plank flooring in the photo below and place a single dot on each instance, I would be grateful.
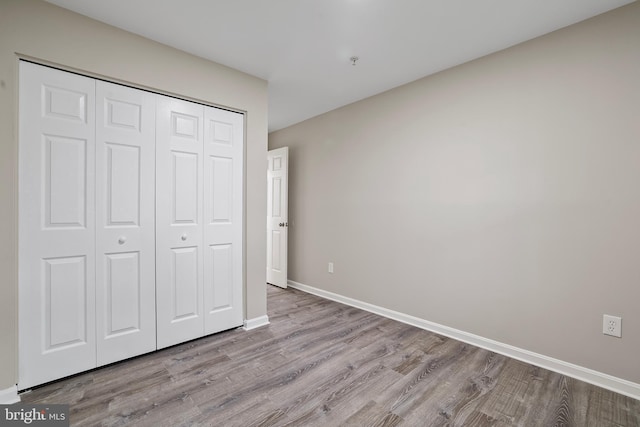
(321, 363)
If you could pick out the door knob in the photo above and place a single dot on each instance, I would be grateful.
(184, 237)
(281, 224)
(121, 240)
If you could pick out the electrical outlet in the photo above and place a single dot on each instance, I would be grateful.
(330, 268)
(612, 325)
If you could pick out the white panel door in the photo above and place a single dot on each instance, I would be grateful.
(125, 218)
(57, 226)
(179, 219)
(277, 216)
(223, 158)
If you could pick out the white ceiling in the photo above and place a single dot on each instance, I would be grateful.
(302, 47)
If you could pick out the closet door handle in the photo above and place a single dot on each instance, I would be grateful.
(122, 239)
(184, 237)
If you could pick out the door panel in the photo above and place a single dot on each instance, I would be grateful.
(187, 126)
(223, 189)
(276, 240)
(184, 284)
(65, 320)
(221, 263)
(56, 227)
(184, 187)
(125, 215)
(277, 216)
(276, 196)
(179, 221)
(123, 114)
(65, 194)
(65, 103)
(123, 185)
(123, 294)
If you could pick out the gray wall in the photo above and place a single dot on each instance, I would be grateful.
(49, 34)
(500, 197)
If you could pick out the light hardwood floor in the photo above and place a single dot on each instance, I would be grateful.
(321, 363)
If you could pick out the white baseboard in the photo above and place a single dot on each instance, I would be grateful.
(599, 379)
(9, 396)
(256, 322)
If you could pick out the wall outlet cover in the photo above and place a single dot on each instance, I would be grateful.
(612, 325)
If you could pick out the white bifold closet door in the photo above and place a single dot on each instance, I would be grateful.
(125, 215)
(86, 228)
(130, 222)
(223, 207)
(179, 221)
(57, 225)
(199, 152)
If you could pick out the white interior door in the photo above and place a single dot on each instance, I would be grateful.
(179, 219)
(223, 165)
(57, 225)
(277, 216)
(125, 218)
